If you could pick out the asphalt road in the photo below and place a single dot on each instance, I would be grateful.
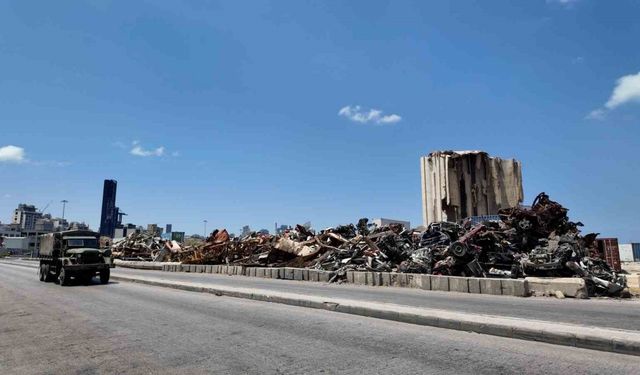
(602, 312)
(131, 328)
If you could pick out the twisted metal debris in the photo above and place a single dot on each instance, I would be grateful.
(536, 241)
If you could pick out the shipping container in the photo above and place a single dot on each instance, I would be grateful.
(608, 250)
(636, 251)
(626, 252)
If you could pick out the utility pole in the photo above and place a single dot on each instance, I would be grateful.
(205, 228)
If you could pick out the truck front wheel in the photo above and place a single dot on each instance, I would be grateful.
(63, 278)
(104, 276)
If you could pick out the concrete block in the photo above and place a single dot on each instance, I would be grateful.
(513, 287)
(385, 279)
(458, 284)
(325, 276)
(412, 280)
(298, 274)
(314, 275)
(259, 272)
(569, 286)
(184, 267)
(193, 268)
(223, 269)
(440, 283)
(202, 268)
(423, 282)
(491, 286)
(251, 271)
(360, 278)
(474, 285)
(305, 274)
(350, 276)
(289, 273)
(208, 268)
(398, 279)
(374, 279)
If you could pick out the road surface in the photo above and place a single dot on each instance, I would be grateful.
(131, 328)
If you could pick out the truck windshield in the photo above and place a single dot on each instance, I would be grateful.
(82, 242)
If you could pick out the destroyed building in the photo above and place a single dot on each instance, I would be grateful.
(461, 184)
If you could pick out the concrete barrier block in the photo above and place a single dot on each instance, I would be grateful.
(491, 286)
(208, 268)
(474, 285)
(512, 287)
(569, 286)
(360, 278)
(423, 282)
(305, 274)
(298, 274)
(398, 279)
(259, 272)
(412, 280)
(314, 275)
(275, 273)
(289, 273)
(325, 276)
(193, 268)
(251, 271)
(202, 268)
(184, 268)
(350, 275)
(374, 279)
(458, 284)
(385, 278)
(440, 283)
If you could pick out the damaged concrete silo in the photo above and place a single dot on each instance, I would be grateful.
(459, 184)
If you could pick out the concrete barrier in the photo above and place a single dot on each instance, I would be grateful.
(548, 286)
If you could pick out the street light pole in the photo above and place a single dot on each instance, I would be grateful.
(205, 228)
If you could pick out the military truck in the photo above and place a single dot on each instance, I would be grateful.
(73, 254)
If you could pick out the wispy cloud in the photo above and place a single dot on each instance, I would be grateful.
(626, 90)
(376, 116)
(577, 60)
(138, 150)
(12, 154)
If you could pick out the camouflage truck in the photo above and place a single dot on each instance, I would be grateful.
(73, 254)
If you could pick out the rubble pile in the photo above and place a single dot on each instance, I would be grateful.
(536, 241)
(143, 246)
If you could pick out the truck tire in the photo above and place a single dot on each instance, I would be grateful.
(41, 274)
(63, 278)
(86, 278)
(104, 276)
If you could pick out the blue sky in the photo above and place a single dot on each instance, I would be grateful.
(230, 111)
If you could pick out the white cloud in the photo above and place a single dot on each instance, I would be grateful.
(12, 154)
(357, 114)
(627, 90)
(137, 150)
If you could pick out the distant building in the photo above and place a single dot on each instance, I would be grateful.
(264, 231)
(168, 228)
(109, 214)
(280, 229)
(246, 230)
(125, 230)
(460, 184)
(154, 229)
(382, 222)
(26, 216)
(10, 230)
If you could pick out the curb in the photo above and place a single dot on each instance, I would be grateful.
(608, 340)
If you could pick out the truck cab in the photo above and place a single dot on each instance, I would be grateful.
(73, 255)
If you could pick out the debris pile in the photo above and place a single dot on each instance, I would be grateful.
(536, 241)
(143, 246)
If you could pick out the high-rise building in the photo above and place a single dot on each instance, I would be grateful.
(461, 184)
(26, 216)
(168, 228)
(109, 215)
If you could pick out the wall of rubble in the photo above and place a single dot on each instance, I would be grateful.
(536, 241)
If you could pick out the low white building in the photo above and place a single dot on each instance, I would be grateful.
(382, 222)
